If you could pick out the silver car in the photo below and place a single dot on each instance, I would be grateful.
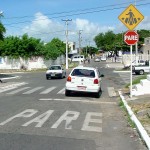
(55, 71)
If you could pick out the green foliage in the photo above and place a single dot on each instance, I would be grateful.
(2, 31)
(114, 42)
(27, 47)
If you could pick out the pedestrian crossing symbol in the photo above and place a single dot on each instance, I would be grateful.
(131, 17)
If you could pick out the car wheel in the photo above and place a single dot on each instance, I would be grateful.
(141, 72)
(62, 76)
(47, 78)
(67, 93)
(97, 95)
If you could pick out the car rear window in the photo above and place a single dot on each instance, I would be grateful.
(83, 73)
(55, 68)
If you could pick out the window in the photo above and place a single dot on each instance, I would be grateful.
(83, 73)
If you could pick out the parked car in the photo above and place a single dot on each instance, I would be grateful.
(142, 69)
(84, 79)
(103, 58)
(78, 58)
(97, 59)
(139, 62)
(55, 71)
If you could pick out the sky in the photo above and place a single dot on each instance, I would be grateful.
(44, 19)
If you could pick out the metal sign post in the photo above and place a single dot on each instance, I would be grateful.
(131, 17)
(131, 72)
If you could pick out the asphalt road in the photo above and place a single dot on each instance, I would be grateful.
(37, 115)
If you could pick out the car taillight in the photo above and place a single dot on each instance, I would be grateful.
(95, 81)
(69, 79)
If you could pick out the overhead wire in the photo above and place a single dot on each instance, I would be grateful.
(80, 13)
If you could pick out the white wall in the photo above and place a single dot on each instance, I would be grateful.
(29, 64)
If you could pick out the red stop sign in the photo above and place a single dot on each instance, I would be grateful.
(131, 37)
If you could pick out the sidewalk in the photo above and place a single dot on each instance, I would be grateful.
(137, 107)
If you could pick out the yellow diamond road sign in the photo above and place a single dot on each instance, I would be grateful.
(131, 17)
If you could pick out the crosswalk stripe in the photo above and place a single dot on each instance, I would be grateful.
(18, 90)
(111, 92)
(61, 91)
(33, 90)
(48, 90)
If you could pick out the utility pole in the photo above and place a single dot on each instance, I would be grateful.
(66, 22)
(80, 41)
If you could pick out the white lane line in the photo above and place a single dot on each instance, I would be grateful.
(61, 91)
(48, 90)
(77, 100)
(18, 90)
(111, 92)
(33, 90)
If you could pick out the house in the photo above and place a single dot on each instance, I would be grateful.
(145, 49)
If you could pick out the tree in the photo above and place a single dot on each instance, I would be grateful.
(2, 29)
(61, 46)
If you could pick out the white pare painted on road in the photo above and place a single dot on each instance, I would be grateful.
(40, 119)
(78, 100)
(66, 117)
(48, 90)
(111, 92)
(88, 120)
(25, 114)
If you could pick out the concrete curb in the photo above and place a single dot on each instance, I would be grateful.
(9, 78)
(139, 126)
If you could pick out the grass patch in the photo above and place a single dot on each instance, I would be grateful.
(130, 122)
(136, 81)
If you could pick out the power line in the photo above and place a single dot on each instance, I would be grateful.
(57, 13)
(81, 13)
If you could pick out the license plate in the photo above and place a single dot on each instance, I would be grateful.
(81, 88)
(53, 74)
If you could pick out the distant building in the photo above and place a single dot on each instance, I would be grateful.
(145, 49)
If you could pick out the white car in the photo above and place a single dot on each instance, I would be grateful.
(55, 71)
(97, 59)
(84, 79)
(103, 58)
(78, 58)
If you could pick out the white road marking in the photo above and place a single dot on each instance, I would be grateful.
(4, 90)
(111, 92)
(11, 86)
(78, 100)
(33, 90)
(41, 119)
(61, 91)
(48, 90)
(92, 121)
(88, 120)
(25, 114)
(18, 90)
(68, 117)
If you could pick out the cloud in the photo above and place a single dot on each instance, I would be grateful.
(46, 29)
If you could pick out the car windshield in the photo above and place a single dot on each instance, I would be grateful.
(83, 73)
(55, 68)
